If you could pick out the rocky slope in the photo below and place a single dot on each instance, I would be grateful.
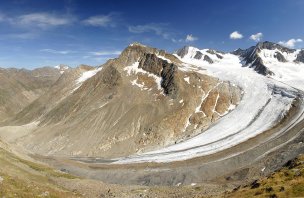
(20, 87)
(137, 102)
(285, 182)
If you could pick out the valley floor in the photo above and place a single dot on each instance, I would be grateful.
(23, 178)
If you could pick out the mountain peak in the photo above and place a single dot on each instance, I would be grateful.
(62, 68)
(272, 46)
(137, 44)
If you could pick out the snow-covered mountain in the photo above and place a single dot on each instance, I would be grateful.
(266, 58)
(207, 55)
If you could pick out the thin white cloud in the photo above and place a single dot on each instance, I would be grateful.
(2, 17)
(26, 35)
(256, 37)
(236, 35)
(105, 53)
(42, 20)
(56, 51)
(157, 28)
(190, 38)
(291, 43)
(99, 21)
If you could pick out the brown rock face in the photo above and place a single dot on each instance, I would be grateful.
(167, 71)
(218, 101)
(151, 63)
(111, 76)
(169, 80)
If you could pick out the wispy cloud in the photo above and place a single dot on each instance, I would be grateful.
(156, 28)
(105, 53)
(190, 38)
(99, 21)
(291, 43)
(256, 37)
(26, 35)
(2, 17)
(236, 35)
(109, 20)
(42, 20)
(57, 51)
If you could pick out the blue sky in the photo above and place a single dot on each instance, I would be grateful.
(35, 33)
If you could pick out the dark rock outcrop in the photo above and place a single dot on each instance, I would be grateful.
(183, 51)
(260, 68)
(252, 59)
(272, 46)
(280, 57)
(300, 57)
(169, 80)
(198, 55)
(238, 52)
(219, 56)
(215, 52)
(208, 59)
(151, 63)
(167, 71)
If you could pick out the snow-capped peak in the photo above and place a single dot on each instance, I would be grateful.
(62, 68)
(207, 55)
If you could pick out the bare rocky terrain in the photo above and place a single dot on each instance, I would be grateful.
(20, 87)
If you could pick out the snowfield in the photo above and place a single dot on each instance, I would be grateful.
(265, 101)
(288, 72)
(85, 76)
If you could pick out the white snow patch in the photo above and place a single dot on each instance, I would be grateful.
(133, 69)
(88, 74)
(1, 179)
(197, 109)
(45, 194)
(103, 105)
(61, 68)
(187, 124)
(187, 79)
(85, 76)
(141, 86)
(164, 58)
(181, 101)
